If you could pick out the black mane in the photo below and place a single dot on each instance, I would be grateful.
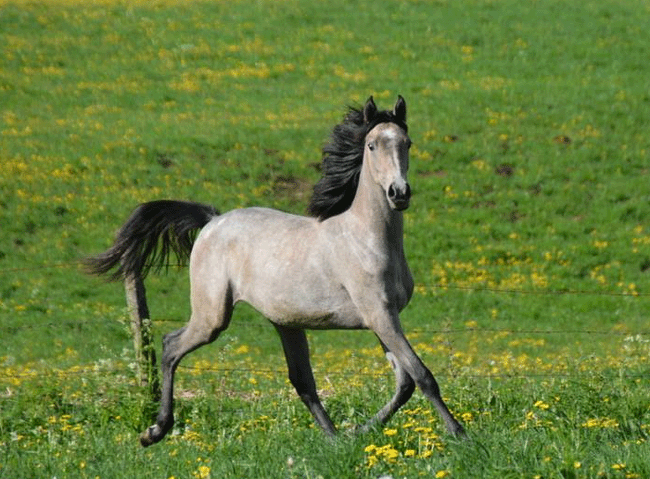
(343, 156)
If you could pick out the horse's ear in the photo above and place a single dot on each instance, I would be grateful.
(369, 110)
(399, 111)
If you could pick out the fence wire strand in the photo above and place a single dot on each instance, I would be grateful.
(438, 286)
(12, 329)
(95, 369)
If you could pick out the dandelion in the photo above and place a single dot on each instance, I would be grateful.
(243, 349)
(443, 473)
(203, 472)
(541, 405)
(388, 453)
(603, 423)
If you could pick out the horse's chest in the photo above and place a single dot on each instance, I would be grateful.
(401, 286)
(388, 285)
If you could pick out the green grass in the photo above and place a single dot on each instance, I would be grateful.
(528, 234)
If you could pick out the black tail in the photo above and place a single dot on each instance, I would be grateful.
(153, 231)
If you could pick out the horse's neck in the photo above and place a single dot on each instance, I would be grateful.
(371, 212)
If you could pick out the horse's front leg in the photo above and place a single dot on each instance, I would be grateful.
(404, 387)
(390, 334)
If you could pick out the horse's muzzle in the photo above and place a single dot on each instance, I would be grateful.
(399, 197)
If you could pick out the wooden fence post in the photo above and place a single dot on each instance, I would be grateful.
(145, 354)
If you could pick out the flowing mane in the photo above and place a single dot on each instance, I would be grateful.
(343, 157)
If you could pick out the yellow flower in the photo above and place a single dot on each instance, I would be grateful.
(202, 473)
(388, 451)
(443, 473)
(541, 405)
(390, 432)
(243, 349)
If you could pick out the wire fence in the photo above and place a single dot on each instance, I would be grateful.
(438, 286)
(11, 329)
(94, 369)
(86, 371)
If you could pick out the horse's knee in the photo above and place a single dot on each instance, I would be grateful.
(406, 388)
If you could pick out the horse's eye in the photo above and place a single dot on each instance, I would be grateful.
(371, 146)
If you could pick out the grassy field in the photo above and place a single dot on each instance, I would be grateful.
(528, 234)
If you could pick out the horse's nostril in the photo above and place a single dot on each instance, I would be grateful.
(399, 193)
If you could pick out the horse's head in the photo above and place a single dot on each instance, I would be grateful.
(387, 153)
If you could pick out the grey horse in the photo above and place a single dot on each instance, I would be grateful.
(342, 267)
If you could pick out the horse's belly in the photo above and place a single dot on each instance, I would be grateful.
(313, 309)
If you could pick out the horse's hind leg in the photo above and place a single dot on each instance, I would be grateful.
(205, 325)
(404, 387)
(296, 352)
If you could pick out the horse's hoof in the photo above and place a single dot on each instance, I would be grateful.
(148, 438)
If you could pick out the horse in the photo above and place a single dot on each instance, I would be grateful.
(341, 267)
